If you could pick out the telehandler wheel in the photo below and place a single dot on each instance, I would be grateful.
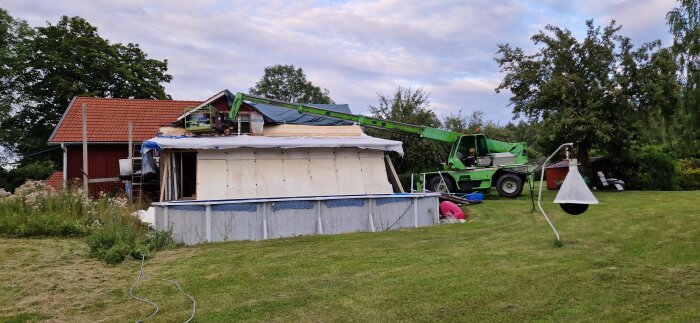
(509, 185)
(437, 185)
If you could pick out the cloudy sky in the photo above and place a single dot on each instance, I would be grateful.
(355, 49)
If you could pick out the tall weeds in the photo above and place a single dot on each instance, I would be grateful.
(36, 209)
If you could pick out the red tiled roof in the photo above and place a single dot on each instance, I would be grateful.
(108, 119)
(55, 180)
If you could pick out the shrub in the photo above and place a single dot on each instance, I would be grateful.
(689, 173)
(160, 240)
(38, 210)
(113, 233)
(113, 242)
(649, 169)
(117, 253)
(141, 251)
(110, 238)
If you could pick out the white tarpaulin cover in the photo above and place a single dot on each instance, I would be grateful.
(574, 189)
(245, 141)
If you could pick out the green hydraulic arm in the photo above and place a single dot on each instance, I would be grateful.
(422, 131)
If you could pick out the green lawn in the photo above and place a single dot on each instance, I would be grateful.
(635, 256)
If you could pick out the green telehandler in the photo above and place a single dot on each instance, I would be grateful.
(475, 163)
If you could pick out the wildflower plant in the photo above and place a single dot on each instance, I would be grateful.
(114, 232)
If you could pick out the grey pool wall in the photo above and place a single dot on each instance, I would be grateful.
(195, 222)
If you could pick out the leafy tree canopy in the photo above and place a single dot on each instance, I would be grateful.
(596, 92)
(411, 106)
(684, 25)
(14, 51)
(65, 60)
(287, 83)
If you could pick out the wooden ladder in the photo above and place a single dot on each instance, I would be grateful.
(136, 179)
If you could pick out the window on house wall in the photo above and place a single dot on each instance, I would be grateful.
(244, 118)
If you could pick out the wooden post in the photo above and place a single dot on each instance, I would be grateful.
(65, 164)
(164, 162)
(85, 152)
(131, 140)
(393, 177)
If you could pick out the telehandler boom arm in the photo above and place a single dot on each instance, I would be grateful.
(422, 131)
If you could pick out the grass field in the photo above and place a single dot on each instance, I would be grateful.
(634, 257)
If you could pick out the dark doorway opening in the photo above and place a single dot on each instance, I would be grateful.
(187, 171)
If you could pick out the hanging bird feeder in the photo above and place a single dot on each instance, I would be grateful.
(574, 196)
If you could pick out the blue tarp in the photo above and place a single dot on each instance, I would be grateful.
(279, 115)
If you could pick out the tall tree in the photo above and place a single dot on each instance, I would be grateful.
(69, 59)
(684, 24)
(287, 83)
(15, 38)
(476, 123)
(595, 92)
(411, 106)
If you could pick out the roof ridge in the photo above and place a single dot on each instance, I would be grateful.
(149, 100)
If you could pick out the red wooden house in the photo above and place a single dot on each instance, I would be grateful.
(107, 124)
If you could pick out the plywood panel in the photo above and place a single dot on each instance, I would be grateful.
(321, 153)
(350, 179)
(211, 179)
(241, 179)
(323, 176)
(297, 177)
(240, 153)
(347, 153)
(269, 175)
(291, 130)
(211, 154)
(269, 154)
(295, 154)
(260, 173)
(374, 175)
(370, 153)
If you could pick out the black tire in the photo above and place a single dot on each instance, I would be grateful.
(435, 184)
(509, 185)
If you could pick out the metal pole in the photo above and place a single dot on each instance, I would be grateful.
(539, 197)
(264, 215)
(531, 184)
(207, 222)
(85, 153)
(318, 217)
(415, 212)
(371, 216)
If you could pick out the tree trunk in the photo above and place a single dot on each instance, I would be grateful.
(582, 156)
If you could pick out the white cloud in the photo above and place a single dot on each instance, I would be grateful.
(355, 49)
